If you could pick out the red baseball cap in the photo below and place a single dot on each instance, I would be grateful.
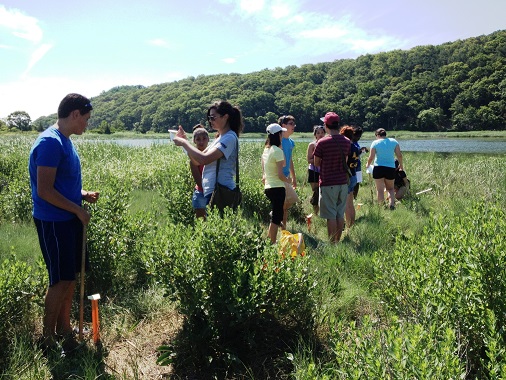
(330, 118)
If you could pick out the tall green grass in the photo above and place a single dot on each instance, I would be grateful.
(360, 329)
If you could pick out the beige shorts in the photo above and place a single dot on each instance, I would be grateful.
(291, 196)
(333, 201)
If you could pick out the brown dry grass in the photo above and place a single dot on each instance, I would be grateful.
(133, 356)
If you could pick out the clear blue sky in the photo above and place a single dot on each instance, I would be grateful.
(49, 48)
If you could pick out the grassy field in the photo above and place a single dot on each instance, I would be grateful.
(406, 294)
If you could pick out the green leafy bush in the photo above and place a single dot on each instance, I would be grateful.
(453, 273)
(399, 350)
(115, 243)
(16, 202)
(232, 286)
(20, 287)
(15, 195)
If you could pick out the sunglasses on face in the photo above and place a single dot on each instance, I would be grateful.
(213, 118)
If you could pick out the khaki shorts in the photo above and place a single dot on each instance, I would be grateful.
(291, 196)
(333, 201)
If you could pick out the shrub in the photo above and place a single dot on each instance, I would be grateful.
(233, 287)
(20, 286)
(453, 273)
(398, 350)
(116, 242)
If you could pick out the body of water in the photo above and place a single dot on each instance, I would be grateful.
(462, 145)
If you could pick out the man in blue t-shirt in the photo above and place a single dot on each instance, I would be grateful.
(55, 179)
(287, 144)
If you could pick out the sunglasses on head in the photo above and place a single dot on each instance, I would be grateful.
(87, 107)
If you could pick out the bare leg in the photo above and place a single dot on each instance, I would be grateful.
(350, 210)
(273, 232)
(335, 229)
(380, 189)
(389, 185)
(57, 308)
(316, 207)
(63, 326)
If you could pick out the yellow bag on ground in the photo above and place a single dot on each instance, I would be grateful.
(291, 244)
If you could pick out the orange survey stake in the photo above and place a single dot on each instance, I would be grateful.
(94, 317)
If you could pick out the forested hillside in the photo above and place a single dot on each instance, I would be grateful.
(454, 86)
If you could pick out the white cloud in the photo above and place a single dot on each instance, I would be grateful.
(40, 96)
(280, 11)
(364, 46)
(159, 42)
(325, 33)
(20, 25)
(290, 28)
(229, 60)
(37, 55)
(252, 6)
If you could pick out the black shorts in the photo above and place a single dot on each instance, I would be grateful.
(277, 197)
(383, 172)
(61, 245)
(312, 176)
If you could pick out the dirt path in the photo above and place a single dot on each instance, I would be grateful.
(134, 356)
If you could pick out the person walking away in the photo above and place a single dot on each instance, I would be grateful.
(201, 140)
(313, 172)
(273, 177)
(357, 134)
(227, 120)
(382, 154)
(288, 145)
(330, 155)
(56, 188)
(349, 212)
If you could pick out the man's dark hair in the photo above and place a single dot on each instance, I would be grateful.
(285, 119)
(73, 102)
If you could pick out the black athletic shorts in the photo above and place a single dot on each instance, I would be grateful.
(383, 172)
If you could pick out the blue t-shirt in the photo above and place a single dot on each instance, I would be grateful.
(287, 144)
(228, 145)
(385, 152)
(53, 149)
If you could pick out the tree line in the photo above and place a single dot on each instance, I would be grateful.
(455, 86)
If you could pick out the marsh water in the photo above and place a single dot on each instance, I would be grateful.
(460, 145)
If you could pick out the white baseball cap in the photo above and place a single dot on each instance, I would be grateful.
(275, 128)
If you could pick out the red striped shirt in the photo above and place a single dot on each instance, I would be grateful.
(332, 170)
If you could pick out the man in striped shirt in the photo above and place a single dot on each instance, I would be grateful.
(331, 153)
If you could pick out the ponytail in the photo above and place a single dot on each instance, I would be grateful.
(235, 120)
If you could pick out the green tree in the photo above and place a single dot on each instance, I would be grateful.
(19, 120)
(432, 119)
